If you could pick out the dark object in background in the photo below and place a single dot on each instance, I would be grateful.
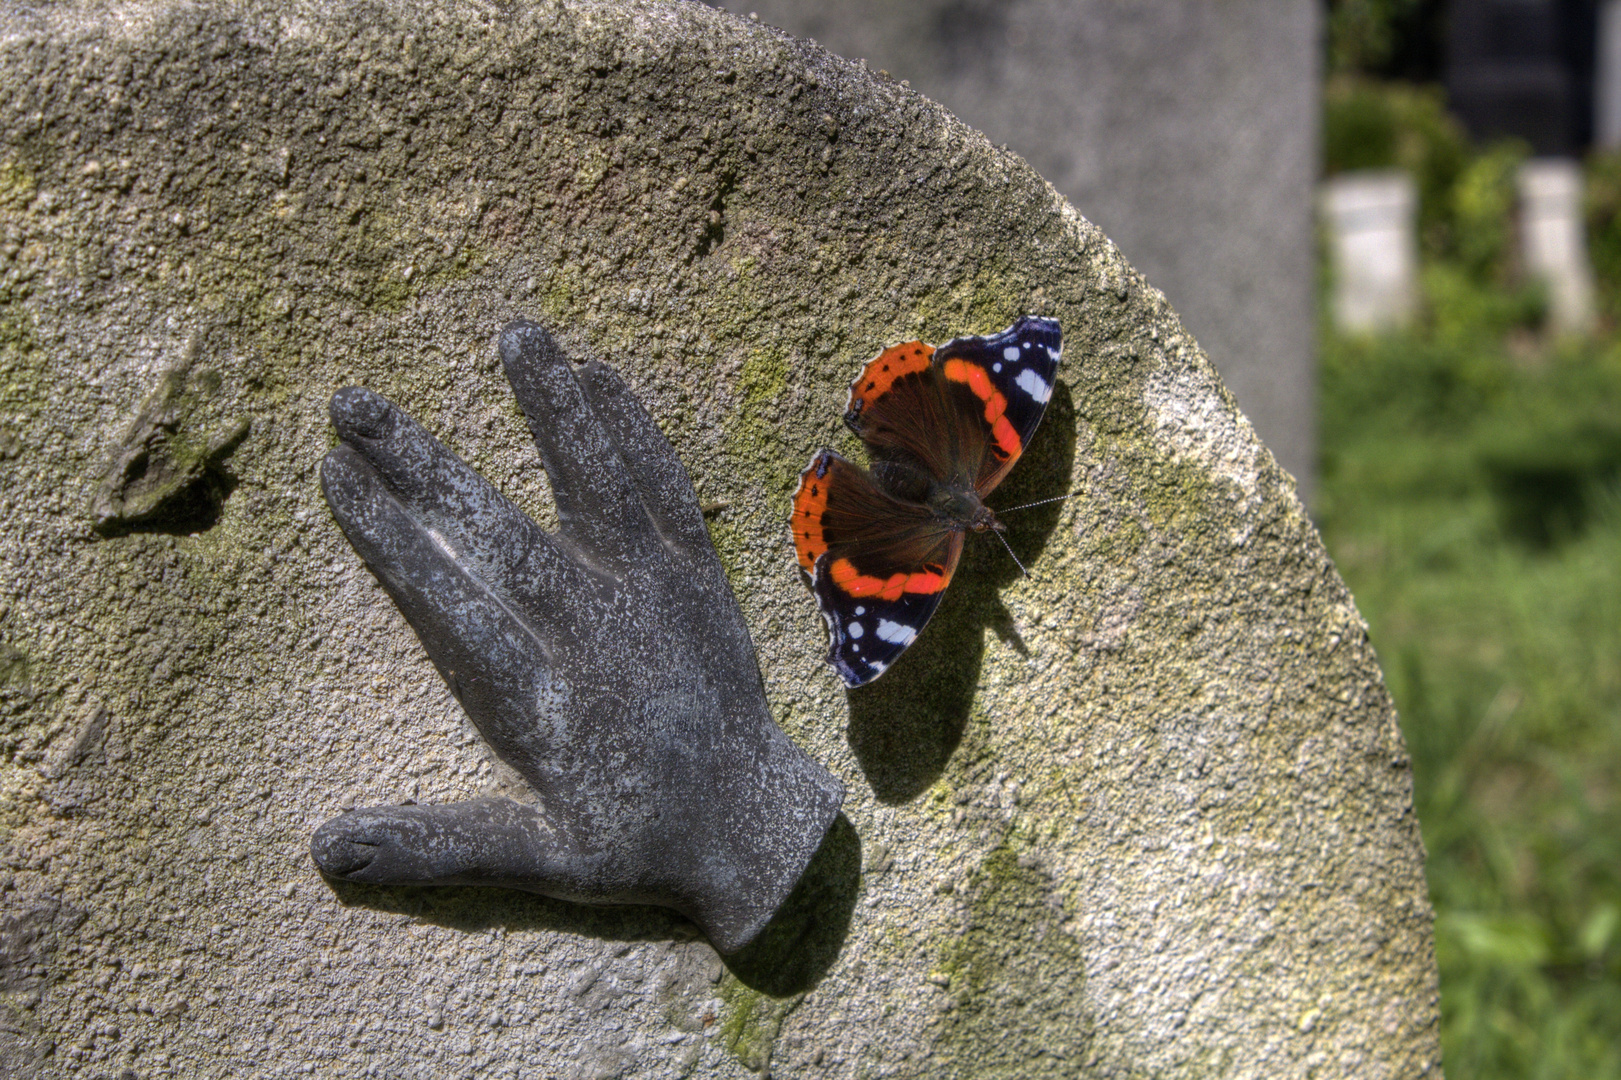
(1400, 40)
(606, 662)
(1524, 69)
(1549, 490)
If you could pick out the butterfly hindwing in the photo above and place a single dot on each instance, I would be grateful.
(866, 634)
(877, 564)
(897, 408)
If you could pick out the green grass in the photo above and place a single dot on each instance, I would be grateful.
(1471, 496)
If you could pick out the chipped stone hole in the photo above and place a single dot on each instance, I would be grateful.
(167, 473)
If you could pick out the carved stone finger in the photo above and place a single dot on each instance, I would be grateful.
(597, 504)
(660, 478)
(481, 842)
(491, 659)
(487, 533)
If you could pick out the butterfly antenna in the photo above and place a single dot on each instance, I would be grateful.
(1038, 502)
(1014, 557)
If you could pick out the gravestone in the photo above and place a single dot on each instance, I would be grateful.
(1146, 812)
(1553, 239)
(1187, 131)
(1607, 76)
(1372, 220)
(1523, 69)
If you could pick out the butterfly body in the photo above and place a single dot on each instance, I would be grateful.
(944, 425)
(954, 504)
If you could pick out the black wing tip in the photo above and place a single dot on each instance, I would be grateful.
(1034, 328)
(852, 674)
(1043, 330)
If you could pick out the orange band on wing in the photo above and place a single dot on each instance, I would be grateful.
(855, 583)
(926, 582)
(1006, 437)
(977, 380)
(810, 503)
(891, 364)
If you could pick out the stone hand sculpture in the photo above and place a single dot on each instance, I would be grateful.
(607, 663)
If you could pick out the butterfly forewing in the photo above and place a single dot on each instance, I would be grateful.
(1010, 376)
(866, 634)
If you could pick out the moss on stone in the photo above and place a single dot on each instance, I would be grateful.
(752, 1021)
(1014, 976)
(13, 666)
(984, 301)
(17, 185)
(21, 363)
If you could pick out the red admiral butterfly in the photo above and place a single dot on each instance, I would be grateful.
(944, 426)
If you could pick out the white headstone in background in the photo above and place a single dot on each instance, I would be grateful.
(1373, 235)
(1607, 77)
(1554, 241)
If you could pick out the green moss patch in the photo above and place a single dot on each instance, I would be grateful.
(1014, 976)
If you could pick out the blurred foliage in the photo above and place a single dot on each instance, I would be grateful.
(1482, 212)
(1465, 199)
(1604, 227)
(1385, 38)
(1471, 496)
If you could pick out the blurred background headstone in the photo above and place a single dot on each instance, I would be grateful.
(1607, 77)
(1553, 240)
(1372, 219)
(1523, 69)
(1186, 130)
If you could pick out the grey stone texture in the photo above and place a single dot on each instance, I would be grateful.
(1185, 130)
(1607, 76)
(1146, 813)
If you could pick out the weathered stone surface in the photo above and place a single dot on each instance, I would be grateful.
(1147, 813)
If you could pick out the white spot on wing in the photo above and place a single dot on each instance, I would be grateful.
(860, 610)
(1038, 388)
(1010, 353)
(856, 629)
(896, 633)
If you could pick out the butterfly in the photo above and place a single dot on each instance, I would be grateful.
(943, 425)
